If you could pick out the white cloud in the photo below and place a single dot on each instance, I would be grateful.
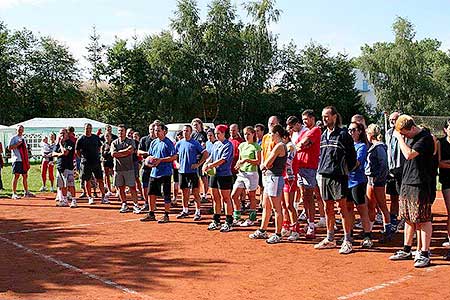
(12, 3)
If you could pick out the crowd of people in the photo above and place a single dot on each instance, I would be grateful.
(307, 161)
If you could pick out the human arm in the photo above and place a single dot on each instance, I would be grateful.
(202, 160)
(408, 152)
(278, 150)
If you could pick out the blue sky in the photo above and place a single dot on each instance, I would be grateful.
(342, 26)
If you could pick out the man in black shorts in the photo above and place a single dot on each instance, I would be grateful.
(200, 136)
(88, 148)
(144, 146)
(337, 158)
(417, 190)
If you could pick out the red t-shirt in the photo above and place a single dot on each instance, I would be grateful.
(236, 142)
(308, 157)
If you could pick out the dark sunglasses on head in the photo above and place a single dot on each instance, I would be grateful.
(352, 130)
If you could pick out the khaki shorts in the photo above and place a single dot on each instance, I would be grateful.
(124, 178)
(65, 179)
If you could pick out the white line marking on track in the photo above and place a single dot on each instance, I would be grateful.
(385, 284)
(67, 227)
(76, 269)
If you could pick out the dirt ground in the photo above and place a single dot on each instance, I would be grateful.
(94, 252)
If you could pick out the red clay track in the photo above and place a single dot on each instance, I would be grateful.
(93, 252)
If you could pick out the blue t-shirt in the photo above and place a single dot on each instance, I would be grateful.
(357, 176)
(161, 149)
(223, 150)
(209, 146)
(187, 154)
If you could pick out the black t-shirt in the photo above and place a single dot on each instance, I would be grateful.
(444, 174)
(419, 170)
(65, 162)
(200, 137)
(89, 148)
(113, 137)
(144, 145)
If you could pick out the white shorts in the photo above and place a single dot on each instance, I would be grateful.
(247, 180)
(273, 185)
(65, 179)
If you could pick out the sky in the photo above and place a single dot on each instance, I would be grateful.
(342, 26)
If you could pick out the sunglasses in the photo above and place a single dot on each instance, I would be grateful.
(351, 130)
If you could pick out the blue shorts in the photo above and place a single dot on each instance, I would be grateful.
(307, 178)
(17, 168)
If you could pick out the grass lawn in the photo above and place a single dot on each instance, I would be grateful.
(34, 180)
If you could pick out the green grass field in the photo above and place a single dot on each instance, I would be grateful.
(34, 180)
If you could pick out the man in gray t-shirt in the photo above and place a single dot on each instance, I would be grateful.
(20, 165)
(122, 150)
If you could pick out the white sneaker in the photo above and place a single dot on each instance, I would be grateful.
(42, 189)
(105, 200)
(63, 203)
(285, 232)
(73, 203)
(124, 208)
(247, 223)
(274, 239)
(322, 223)
(15, 197)
(325, 244)
(346, 248)
(108, 194)
(294, 236)
(302, 216)
(52, 189)
(136, 208)
(446, 244)
(91, 201)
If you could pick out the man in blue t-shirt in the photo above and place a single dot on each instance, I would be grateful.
(161, 154)
(188, 150)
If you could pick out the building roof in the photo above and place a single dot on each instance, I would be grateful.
(59, 123)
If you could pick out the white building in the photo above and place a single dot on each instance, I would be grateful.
(366, 90)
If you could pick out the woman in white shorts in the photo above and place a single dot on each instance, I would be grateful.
(248, 177)
(273, 182)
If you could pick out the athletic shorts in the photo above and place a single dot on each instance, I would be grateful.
(17, 168)
(415, 203)
(375, 182)
(160, 184)
(357, 194)
(65, 179)
(176, 175)
(221, 182)
(307, 178)
(393, 184)
(124, 178)
(246, 180)
(188, 180)
(145, 177)
(332, 188)
(86, 171)
(290, 186)
(273, 185)
(136, 168)
(108, 164)
(200, 172)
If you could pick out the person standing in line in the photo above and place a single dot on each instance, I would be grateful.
(143, 148)
(259, 132)
(376, 171)
(64, 152)
(160, 157)
(199, 135)
(88, 149)
(107, 162)
(188, 150)
(1, 165)
(416, 191)
(273, 180)
(337, 159)
(444, 177)
(20, 162)
(47, 165)
(122, 150)
(175, 175)
(218, 165)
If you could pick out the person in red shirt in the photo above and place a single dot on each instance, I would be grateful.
(236, 140)
(306, 163)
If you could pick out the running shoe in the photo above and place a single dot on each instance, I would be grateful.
(285, 232)
(15, 197)
(247, 223)
(144, 208)
(105, 200)
(274, 239)
(422, 261)
(43, 189)
(197, 216)
(124, 208)
(91, 201)
(83, 195)
(401, 255)
(294, 236)
(63, 203)
(108, 194)
(52, 189)
(359, 225)
(73, 203)
(302, 216)
(226, 227)
(136, 208)
(322, 223)
(148, 218)
(214, 226)
(310, 233)
(346, 248)
(379, 219)
(367, 243)
(258, 234)
(183, 215)
(29, 194)
(325, 244)
(447, 256)
(164, 219)
(446, 244)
